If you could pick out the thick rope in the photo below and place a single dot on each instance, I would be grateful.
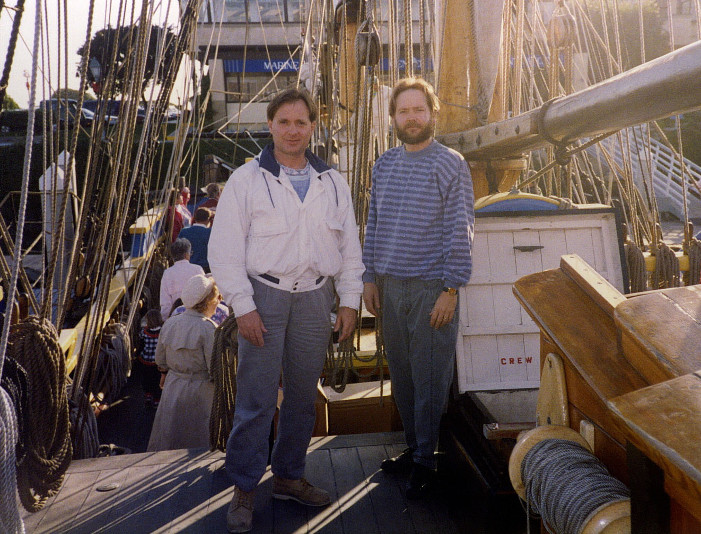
(10, 520)
(113, 363)
(566, 485)
(637, 275)
(16, 383)
(34, 345)
(666, 273)
(84, 434)
(224, 364)
(695, 262)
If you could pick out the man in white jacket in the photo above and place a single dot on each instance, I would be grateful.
(284, 237)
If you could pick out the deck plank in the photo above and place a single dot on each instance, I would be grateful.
(189, 491)
(353, 497)
(391, 514)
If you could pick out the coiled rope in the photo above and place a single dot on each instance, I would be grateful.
(84, 433)
(113, 363)
(566, 485)
(666, 273)
(16, 383)
(10, 520)
(33, 343)
(637, 274)
(695, 261)
(224, 363)
(339, 364)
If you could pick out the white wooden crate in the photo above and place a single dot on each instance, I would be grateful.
(498, 343)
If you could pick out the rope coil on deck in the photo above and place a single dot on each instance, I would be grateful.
(34, 344)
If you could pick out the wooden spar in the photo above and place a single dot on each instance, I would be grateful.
(662, 87)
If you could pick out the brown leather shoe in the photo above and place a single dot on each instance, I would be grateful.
(239, 516)
(299, 490)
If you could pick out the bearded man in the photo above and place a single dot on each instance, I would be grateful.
(417, 254)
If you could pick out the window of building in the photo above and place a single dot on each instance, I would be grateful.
(271, 11)
(245, 87)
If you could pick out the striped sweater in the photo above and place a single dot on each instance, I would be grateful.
(421, 219)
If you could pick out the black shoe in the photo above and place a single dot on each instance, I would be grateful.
(422, 482)
(401, 464)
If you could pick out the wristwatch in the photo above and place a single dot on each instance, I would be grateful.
(450, 290)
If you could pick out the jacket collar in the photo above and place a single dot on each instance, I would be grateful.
(266, 159)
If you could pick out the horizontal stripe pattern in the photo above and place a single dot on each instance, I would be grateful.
(421, 220)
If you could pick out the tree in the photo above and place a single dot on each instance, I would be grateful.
(628, 13)
(9, 103)
(70, 94)
(112, 51)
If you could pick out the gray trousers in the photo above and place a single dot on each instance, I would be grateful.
(299, 327)
(421, 360)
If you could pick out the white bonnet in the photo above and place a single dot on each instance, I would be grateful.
(196, 289)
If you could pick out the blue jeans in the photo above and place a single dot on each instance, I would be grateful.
(299, 327)
(421, 360)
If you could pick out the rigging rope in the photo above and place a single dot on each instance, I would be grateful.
(224, 364)
(14, 32)
(25, 186)
(566, 484)
(34, 345)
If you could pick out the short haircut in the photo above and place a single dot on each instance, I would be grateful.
(414, 83)
(153, 319)
(202, 215)
(180, 248)
(287, 97)
(213, 190)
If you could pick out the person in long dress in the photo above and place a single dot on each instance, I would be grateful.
(183, 355)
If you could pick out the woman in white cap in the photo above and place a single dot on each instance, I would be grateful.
(183, 355)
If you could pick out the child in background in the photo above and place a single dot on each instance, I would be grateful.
(151, 376)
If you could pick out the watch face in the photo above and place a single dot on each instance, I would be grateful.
(450, 290)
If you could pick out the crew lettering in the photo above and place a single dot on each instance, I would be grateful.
(516, 361)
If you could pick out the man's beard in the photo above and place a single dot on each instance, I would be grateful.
(414, 139)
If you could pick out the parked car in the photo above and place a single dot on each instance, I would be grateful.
(64, 113)
(112, 109)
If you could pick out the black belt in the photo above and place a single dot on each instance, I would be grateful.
(276, 280)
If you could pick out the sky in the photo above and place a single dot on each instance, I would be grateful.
(106, 12)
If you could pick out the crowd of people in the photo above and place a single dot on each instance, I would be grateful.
(282, 253)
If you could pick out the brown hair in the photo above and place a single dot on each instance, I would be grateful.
(202, 305)
(202, 215)
(213, 190)
(414, 83)
(153, 319)
(287, 97)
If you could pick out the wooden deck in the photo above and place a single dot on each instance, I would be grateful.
(189, 491)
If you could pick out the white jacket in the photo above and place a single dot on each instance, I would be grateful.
(262, 227)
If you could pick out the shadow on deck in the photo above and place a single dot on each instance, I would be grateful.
(188, 491)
